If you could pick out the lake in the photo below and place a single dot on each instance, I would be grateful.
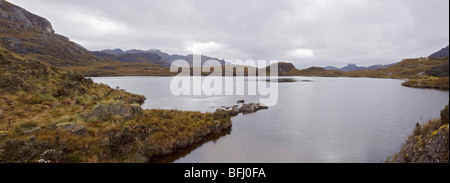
(328, 120)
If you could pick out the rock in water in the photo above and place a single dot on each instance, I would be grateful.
(263, 107)
(248, 108)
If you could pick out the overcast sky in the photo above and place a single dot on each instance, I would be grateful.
(305, 32)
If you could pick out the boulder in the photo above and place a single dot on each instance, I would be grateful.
(261, 106)
(249, 108)
(34, 130)
(234, 111)
(116, 108)
(73, 128)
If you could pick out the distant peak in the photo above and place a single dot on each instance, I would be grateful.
(444, 52)
(116, 51)
(23, 20)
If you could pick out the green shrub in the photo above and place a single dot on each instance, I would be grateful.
(418, 130)
(444, 115)
(439, 70)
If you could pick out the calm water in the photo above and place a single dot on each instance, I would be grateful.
(327, 120)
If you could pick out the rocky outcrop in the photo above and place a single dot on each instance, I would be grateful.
(244, 109)
(51, 156)
(23, 19)
(432, 148)
(32, 131)
(73, 128)
(428, 143)
(249, 108)
(444, 52)
(28, 34)
(127, 111)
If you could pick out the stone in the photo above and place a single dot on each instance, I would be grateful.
(248, 108)
(73, 128)
(34, 130)
(141, 129)
(80, 131)
(116, 108)
(234, 111)
(241, 101)
(251, 108)
(261, 106)
(52, 156)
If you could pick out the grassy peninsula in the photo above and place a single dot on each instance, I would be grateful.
(50, 115)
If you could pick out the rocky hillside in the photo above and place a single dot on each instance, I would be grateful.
(441, 53)
(32, 36)
(428, 143)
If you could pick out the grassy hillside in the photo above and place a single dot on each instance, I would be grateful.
(49, 115)
(116, 68)
(421, 72)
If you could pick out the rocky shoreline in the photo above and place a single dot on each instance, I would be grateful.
(242, 108)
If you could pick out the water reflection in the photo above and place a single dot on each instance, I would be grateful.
(184, 152)
(328, 120)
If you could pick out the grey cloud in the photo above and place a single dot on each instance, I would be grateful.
(364, 32)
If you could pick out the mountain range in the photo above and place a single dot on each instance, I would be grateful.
(150, 56)
(354, 67)
(444, 52)
(33, 37)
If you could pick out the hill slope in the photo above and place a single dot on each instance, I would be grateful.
(134, 58)
(428, 143)
(33, 37)
(165, 57)
(441, 53)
